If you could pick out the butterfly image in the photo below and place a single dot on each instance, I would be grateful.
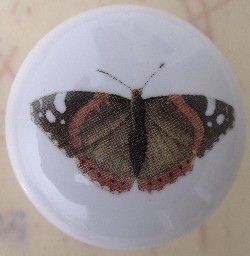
(118, 141)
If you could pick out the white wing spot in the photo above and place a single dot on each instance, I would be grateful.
(51, 118)
(40, 114)
(59, 102)
(62, 121)
(210, 106)
(220, 119)
(209, 124)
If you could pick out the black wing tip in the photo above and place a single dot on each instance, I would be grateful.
(205, 149)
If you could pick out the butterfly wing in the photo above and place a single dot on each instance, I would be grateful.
(95, 131)
(53, 114)
(180, 128)
(217, 118)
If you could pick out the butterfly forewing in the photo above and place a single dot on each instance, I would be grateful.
(54, 120)
(217, 118)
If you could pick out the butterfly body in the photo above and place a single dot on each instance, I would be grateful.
(138, 134)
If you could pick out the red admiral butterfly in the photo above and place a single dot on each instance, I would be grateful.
(116, 140)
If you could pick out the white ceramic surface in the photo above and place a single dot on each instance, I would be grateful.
(129, 42)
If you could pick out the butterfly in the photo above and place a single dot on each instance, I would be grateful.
(117, 141)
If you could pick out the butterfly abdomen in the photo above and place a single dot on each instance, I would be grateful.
(138, 134)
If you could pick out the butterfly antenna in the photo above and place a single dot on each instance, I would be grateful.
(161, 66)
(113, 77)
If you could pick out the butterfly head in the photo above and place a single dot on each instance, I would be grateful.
(137, 92)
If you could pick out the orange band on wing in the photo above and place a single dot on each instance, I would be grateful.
(81, 115)
(193, 117)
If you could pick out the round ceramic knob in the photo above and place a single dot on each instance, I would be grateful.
(125, 127)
